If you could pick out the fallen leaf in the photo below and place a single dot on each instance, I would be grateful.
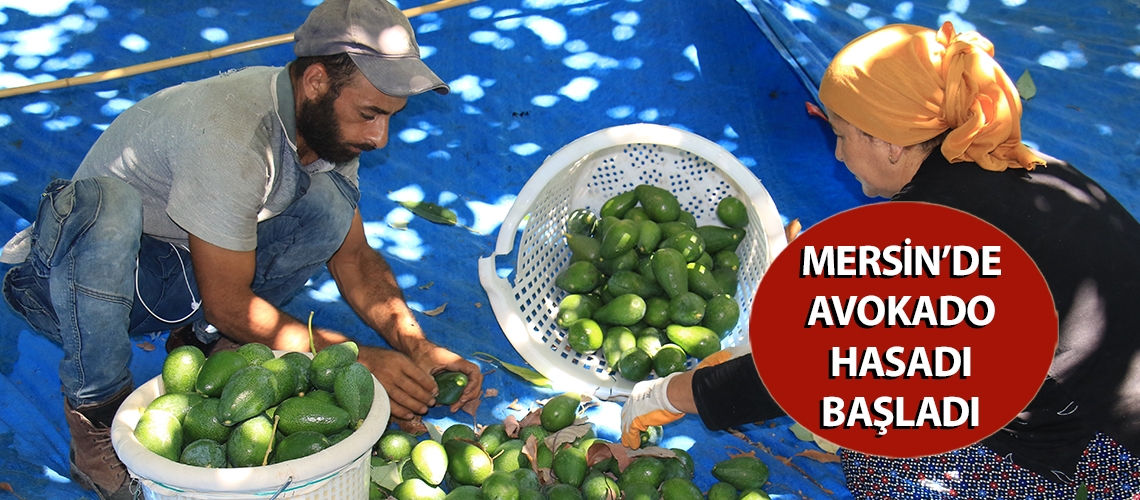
(530, 450)
(471, 407)
(527, 374)
(478, 305)
(750, 453)
(146, 346)
(601, 450)
(490, 393)
(432, 212)
(827, 446)
(515, 406)
(567, 434)
(399, 225)
(437, 311)
(532, 418)
(511, 426)
(819, 456)
(415, 426)
(434, 432)
(427, 286)
(545, 476)
(1025, 86)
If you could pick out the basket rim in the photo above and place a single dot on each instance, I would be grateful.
(148, 465)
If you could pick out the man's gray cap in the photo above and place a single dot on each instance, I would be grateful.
(378, 38)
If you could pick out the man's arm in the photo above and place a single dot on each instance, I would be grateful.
(224, 282)
(368, 285)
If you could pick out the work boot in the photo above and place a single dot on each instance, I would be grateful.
(94, 464)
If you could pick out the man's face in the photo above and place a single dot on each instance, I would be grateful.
(338, 128)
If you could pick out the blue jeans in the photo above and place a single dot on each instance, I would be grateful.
(93, 279)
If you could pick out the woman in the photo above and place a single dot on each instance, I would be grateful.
(923, 115)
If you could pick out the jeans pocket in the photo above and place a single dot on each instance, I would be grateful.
(28, 294)
(55, 206)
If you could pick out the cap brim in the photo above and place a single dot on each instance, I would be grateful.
(399, 77)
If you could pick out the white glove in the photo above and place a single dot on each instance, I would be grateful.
(648, 406)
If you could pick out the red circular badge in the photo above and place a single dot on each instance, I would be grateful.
(903, 329)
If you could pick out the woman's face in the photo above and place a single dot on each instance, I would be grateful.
(867, 158)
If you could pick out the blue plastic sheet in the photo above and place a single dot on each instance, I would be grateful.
(528, 77)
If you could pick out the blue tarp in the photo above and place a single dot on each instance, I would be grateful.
(527, 78)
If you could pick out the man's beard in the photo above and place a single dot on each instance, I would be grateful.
(316, 122)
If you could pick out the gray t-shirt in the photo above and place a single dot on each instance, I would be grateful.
(212, 157)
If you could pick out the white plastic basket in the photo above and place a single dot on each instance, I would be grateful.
(338, 472)
(584, 174)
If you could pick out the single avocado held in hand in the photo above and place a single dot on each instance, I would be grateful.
(451, 386)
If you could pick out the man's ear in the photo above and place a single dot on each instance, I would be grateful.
(315, 81)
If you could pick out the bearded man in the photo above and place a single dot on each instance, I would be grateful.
(208, 205)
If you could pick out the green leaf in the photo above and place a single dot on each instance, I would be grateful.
(527, 374)
(386, 475)
(802, 433)
(432, 212)
(1082, 492)
(1026, 87)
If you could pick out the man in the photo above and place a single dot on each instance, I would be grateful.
(208, 205)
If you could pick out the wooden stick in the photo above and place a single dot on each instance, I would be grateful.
(196, 57)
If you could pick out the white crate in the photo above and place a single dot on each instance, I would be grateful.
(338, 472)
(584, 174)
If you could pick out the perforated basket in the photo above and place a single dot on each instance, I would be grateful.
(338, 472)
(584, 174)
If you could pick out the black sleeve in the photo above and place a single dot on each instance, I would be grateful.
(731, 393)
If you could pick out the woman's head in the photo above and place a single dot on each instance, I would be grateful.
(907, 85)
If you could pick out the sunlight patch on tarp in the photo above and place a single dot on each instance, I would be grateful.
(1013, 3)
(684, 76)
(579, 89)
(7, 178)
(797, 13)
(27, 63)
(489, 216)
(5, 119)
(40, 108)
(730, 132)
(874, 23)
(404, 243)
(62, 123)
(959, 6)
(552, 33)
(728, 145)
(427, 51)
(904, 11)
(76, 61)
(544, 101)
(622, 33)
(576, 45)
(327, 292)
(690, 53)
(1131, 69)
(134, 43)
(38, 8)
(1044, 30)
(215, 35)
(208, 12)
(509, 24)
(412, 135)
(480, 12)
(620, 112)
(525, 149)
(469, 87)
(649, 115)
(858, 10)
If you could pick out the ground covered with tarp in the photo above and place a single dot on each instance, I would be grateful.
(527, 78)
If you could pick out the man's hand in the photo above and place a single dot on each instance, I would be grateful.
(434, 359)
(411, 390)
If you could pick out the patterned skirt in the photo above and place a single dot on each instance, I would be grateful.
(1106, 471)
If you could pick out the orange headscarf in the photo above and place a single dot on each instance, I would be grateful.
(907, 84)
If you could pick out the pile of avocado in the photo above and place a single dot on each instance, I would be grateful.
(249, 407)
(497, 463)
(646, 285)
